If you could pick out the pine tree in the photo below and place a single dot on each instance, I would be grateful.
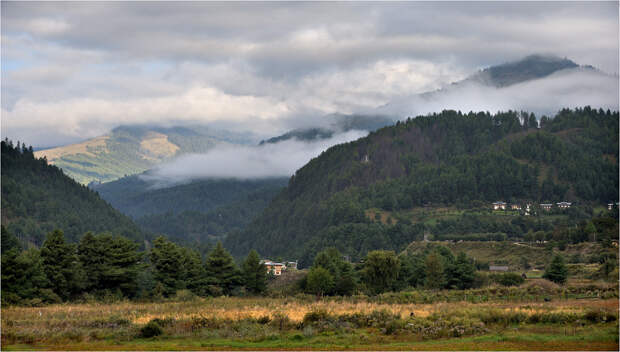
(23, 278)
(168, 270)
(110, 262)
(195, 273)
(347, 282)
(60, 264)
(222, 273)
(91, 256)
(464, 272)
(9, 241)
(254, 273)
(556, 271)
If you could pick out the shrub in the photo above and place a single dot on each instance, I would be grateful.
(508, 279)
(315, 316)
(263, 320)
(281, 321)
(593, 316)
(164, 322)
(184, 296)
(151, 329)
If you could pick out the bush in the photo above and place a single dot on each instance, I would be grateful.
(314, 316)
(184, 296)
(263, 320)
(151, 329)
(508, 279)
(281, 321)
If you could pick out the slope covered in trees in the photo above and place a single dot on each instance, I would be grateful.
(136, 196)
(201, 211)
(446, 159)
(38, 198)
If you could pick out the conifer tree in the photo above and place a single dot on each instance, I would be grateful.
(110, 262)
(23, 278)
(347, 282)
(60, 264)
(195, 273)
(168, 270)
(222, 273)
(254, 273)
(556, 271)
(464, 272)
(9, 241)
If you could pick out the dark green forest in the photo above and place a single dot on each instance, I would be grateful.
(111, 267)
(201, 211)
(448, 159)
(138, 196)
(38, 198)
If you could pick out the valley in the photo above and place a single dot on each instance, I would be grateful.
(329, 176)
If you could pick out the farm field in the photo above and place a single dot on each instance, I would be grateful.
(530, 317)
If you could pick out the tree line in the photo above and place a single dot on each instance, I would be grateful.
(435, 267)
(106, 265)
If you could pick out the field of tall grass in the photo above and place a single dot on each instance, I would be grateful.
(555, 321)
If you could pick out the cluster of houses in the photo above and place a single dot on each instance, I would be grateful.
(276, 268)
(610, 206)
(499, 205)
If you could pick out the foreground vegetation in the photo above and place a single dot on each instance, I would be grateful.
(357, 322)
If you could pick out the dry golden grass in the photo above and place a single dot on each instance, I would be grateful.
(78, 148)
(156, 146)
(239, 308)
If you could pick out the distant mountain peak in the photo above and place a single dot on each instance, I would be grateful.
(530, 67)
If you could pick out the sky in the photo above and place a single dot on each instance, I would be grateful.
(72, 71)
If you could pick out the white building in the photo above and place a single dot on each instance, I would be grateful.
(499, 205)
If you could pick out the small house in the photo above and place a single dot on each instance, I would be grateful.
(564, 205)
(515, 207)
(499, 205)
(291, 265)
(274, 268)
(498, 268)
(546, 206)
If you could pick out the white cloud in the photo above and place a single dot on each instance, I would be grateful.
(74, 70)
(246, 162)
(88, 117)
(563, 89)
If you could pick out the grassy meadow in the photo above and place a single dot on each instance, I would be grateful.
(535, 316)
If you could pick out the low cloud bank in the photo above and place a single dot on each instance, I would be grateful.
(564, 89)
(245, 162)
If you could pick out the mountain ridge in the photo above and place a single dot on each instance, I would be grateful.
(440, 159)
(132, 149)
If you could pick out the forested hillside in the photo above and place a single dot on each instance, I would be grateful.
(441, 160)
(197, 212)
(38, 198)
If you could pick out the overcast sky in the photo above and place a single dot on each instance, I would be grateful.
(71, 71)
